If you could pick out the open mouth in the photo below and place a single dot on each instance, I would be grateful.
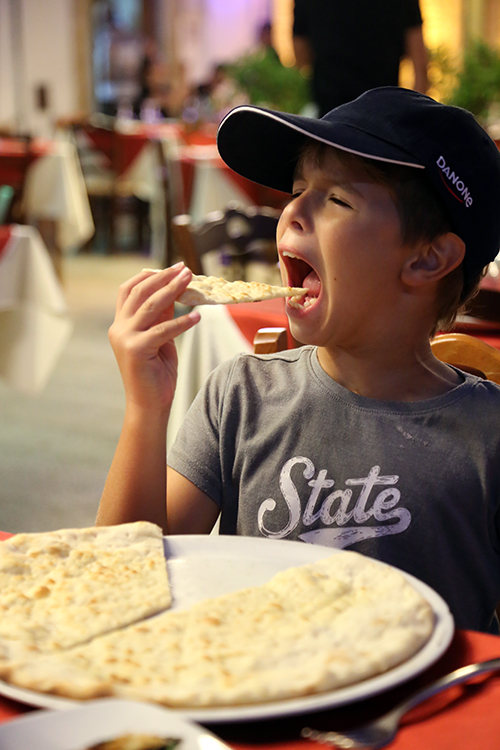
(301, 274)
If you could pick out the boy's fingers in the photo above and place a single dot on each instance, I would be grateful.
(159, 303)
(163, 333)
(135, 290)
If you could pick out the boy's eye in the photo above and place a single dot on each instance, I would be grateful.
(339, 201)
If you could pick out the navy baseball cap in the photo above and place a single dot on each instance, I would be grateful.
(389, 124)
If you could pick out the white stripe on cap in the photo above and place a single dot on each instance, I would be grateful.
(272, 116)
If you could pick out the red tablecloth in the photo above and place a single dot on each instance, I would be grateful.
(120, 149)
(5, 235)
(249, 317)
(16, 157)
(271, 313)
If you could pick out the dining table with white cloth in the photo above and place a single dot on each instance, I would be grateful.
(55, 190)
(35, 323)
(199, 181)
(223, 332)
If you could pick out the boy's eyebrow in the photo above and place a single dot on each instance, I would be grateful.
(346, 185)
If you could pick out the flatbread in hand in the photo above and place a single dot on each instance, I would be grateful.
(308, 630)
(62, 588)
(211, 290)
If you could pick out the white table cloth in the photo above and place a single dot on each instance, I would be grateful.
(34, 320)
(200, 350)
(55, 190)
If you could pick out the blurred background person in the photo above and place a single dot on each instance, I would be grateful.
(357, 45)
(266, 40)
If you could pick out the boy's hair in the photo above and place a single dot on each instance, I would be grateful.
(421, 214)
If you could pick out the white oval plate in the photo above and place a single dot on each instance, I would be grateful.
(206, 566)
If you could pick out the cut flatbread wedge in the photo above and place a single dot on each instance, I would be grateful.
(308, 630)
(211, 290)
(62, 588)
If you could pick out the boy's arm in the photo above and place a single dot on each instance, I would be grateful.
(415, 49)
(303, 53)
(189, 509)
(142, 337)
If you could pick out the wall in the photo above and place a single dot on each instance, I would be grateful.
(209, 32)
(7, 86)
(42, 54)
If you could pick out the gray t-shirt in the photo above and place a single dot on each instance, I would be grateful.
(287, 453)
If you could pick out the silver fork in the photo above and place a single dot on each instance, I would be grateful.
(382, 731)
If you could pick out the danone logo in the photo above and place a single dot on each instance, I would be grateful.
(453, 183)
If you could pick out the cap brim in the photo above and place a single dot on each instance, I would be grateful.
(263, 145)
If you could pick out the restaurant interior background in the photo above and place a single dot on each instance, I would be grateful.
(59, 57)
(65, 58)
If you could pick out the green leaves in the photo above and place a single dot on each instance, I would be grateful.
(477, 80)
(268, 83)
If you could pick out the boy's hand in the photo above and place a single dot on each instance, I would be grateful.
(142, 335)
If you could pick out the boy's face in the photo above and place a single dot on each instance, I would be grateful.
(340, 237)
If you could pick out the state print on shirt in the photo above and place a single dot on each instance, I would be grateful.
(343, 514)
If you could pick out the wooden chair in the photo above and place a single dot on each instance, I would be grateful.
(468, 353)
(270, 340)
(99, 155)
(166, 183)
(242, 234)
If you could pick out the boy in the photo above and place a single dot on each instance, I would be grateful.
(360, 438)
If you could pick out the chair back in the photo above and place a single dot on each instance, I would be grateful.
(247, 234)
(166, 183)
(462, 350)
(468, 353)
(270, 341)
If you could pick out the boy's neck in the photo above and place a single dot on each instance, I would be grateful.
(389, 373)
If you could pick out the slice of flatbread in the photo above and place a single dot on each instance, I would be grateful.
(211, 290)
(62, 588)
(308, 630)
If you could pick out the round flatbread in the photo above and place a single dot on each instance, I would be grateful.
(310, 629)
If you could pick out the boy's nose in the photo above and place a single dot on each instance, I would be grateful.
(297, 213)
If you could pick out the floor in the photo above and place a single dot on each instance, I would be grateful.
(56, 448)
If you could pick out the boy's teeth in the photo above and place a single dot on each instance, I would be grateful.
(300, 303)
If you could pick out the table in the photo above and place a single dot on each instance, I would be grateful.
(200, 182)
(34, 321)
(466, 716)
(54, 191)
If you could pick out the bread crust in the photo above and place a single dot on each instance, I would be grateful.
(212, 290)
(61, 588)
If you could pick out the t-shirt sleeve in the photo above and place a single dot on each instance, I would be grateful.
(300, 25)
(412, 15)
(196, 450)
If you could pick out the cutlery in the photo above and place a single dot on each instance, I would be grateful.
(382, 731)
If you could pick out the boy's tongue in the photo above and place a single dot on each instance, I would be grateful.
(312, 283)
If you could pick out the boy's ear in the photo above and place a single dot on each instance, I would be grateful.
(433, 260)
